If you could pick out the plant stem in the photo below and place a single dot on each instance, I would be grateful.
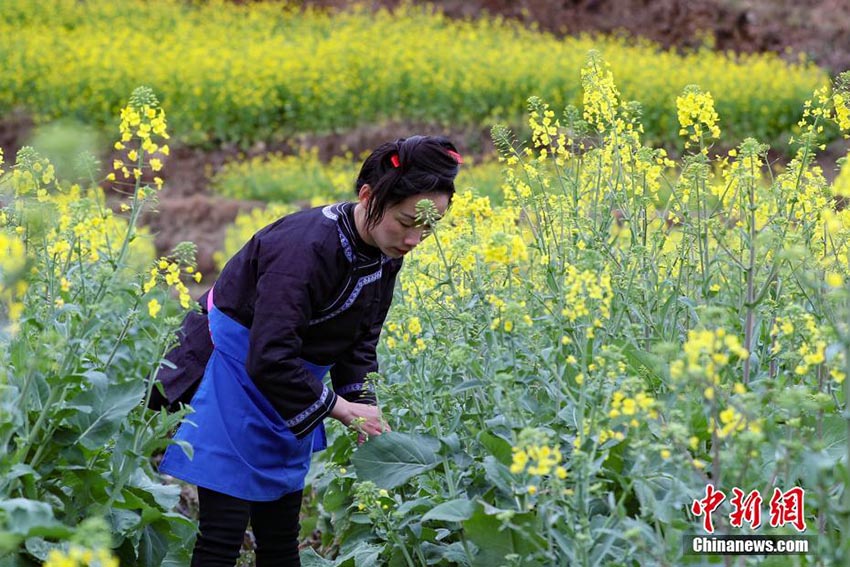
(751, 274)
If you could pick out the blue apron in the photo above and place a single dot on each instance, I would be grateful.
(242, 446)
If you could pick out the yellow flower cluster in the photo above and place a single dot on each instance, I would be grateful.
(730, 422)
(407, 339)
(842, 111)
(828, 104)
(697, 117)
(706, 354)
(32, 174)
(478, 243)
(371, 499)
(589, 294)
(80, 557)
(87, 230)
(547, 133)
(538, 460)
(801, 341)
(641, 403)
(533, 455)
(246, 72)
(143, 127)
(601, 97)
(170, 272)
(604, 434)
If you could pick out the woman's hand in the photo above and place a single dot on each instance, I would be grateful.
(364, 418)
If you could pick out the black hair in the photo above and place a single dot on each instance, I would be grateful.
(406, 167)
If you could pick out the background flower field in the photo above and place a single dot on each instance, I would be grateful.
(631, 298)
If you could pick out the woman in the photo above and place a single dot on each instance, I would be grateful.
(307, 294)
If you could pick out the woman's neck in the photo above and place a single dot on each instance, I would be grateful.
(360, 224)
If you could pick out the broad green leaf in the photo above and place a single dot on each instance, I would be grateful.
(495, 540)
(451, 511)
(355, 534)
(393, 458)
(23, 516)
(309, 558)
(334, 497)
(412, 506)
(498, 475)
(166, 496)
(21, 470)
(111, 403)
(454, 553)
(364, 555)
(498, 447)
(660, 496)
(153, 546)
(122, 521)
(40, 547)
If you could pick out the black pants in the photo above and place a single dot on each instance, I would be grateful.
(223, 520)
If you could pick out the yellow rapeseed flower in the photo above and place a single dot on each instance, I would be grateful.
(154, 307)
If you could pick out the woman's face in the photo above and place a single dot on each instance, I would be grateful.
(398, 232)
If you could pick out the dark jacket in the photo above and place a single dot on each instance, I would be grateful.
(308, 287)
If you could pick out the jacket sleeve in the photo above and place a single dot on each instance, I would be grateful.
(348, 374)
(286, 284)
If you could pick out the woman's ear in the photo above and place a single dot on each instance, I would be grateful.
(364, 194)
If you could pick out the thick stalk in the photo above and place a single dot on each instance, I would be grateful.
(751, 276)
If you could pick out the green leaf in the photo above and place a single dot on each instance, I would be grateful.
(643, 362)
(40, 548)
(495, 540)
(25, 516)
(122, 522)
(309, 558)
(153, 546)
(334, 497)
(110, 403)
(393, 458)
(21, 470)
(498, 447)
(660, 496)
(364, 555)
(451, 511)
(498, 475)
(454, 553)
(166, 496)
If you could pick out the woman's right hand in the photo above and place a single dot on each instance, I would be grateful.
(364, 418)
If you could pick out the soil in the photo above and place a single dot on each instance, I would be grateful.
(818, 28)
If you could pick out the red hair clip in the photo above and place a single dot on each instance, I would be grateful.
(394, 160)
(455, 155)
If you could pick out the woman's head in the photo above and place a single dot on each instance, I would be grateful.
(398, 170)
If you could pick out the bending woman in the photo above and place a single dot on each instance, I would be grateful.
(306, 295)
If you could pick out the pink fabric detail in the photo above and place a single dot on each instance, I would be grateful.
(210, 306)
